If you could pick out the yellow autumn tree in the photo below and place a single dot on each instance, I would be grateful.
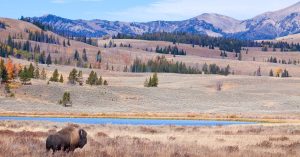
(17, 69)
(10, 69)
(278, 72)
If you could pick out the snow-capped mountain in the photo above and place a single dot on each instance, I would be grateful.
(269, 25)
(275, 24)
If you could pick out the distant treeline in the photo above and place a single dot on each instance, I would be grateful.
(86, 40)
(230, 45)
(170, 50)
(27, 50)
(224, 44)
(24, 50)
(65, 34)
(162, 65)
(2, 25)
(38, 24)
(42, 37)
(283, 46)
(283, 61)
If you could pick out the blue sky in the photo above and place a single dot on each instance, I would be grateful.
(139, 10)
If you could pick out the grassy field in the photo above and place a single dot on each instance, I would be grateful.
(276, 140)
(240, 96)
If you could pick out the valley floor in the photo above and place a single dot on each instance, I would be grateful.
(240, 95)
(177, 96)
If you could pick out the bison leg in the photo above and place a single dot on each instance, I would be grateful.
(66, 148)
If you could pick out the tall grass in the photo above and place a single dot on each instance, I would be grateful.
(27, 139)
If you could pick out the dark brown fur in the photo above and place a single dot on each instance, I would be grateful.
(67, 139)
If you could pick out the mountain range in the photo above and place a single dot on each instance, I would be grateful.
(269, 25)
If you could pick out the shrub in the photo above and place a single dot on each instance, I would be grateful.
(61, 79)
(66, 99)
(153, 81)
(55, 76)
(219, 86)
(92, 79)
(43, 75)
(271, 73)
(24, 76)
(105, 83)
(7, 88)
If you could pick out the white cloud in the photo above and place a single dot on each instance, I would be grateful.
(184, 9)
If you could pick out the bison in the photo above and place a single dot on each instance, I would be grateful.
(67, 139)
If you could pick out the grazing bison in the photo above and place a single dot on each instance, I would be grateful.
(67, 139)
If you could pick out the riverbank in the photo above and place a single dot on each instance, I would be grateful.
(276, 140)
(163, 116)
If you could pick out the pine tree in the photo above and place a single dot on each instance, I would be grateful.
(285, 73)
(84, 55)
(76, 55)
(92, 79)
(43, 74)
(110, 44)
(55, 61)
(154, 80)
(205, 68)
(66, 99)
(79, 74)
(73, 76)
(107, 67)
(61, 79)
(55, 76)
(69, 44)
(98, 57)
(240, 56)
(258, 72)
(49, 60)
(80, 78)
(105, 83)
(4, 75)
(24, 76)
(150, 82)
(100, 81)
(31, 71)
(271, 73)
(42, 58)
(227, 70)
(146, 83)
(3, 71)
(37, 71)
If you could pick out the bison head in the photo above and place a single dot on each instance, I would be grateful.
(82, 138)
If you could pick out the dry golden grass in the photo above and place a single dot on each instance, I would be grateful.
(170, 116)
(28, 139)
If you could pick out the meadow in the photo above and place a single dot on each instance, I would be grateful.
(277, 140)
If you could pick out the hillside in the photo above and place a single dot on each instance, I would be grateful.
(269, 25)
(118, 58)
(294, 38)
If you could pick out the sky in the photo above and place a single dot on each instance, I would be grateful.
(139, 10)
